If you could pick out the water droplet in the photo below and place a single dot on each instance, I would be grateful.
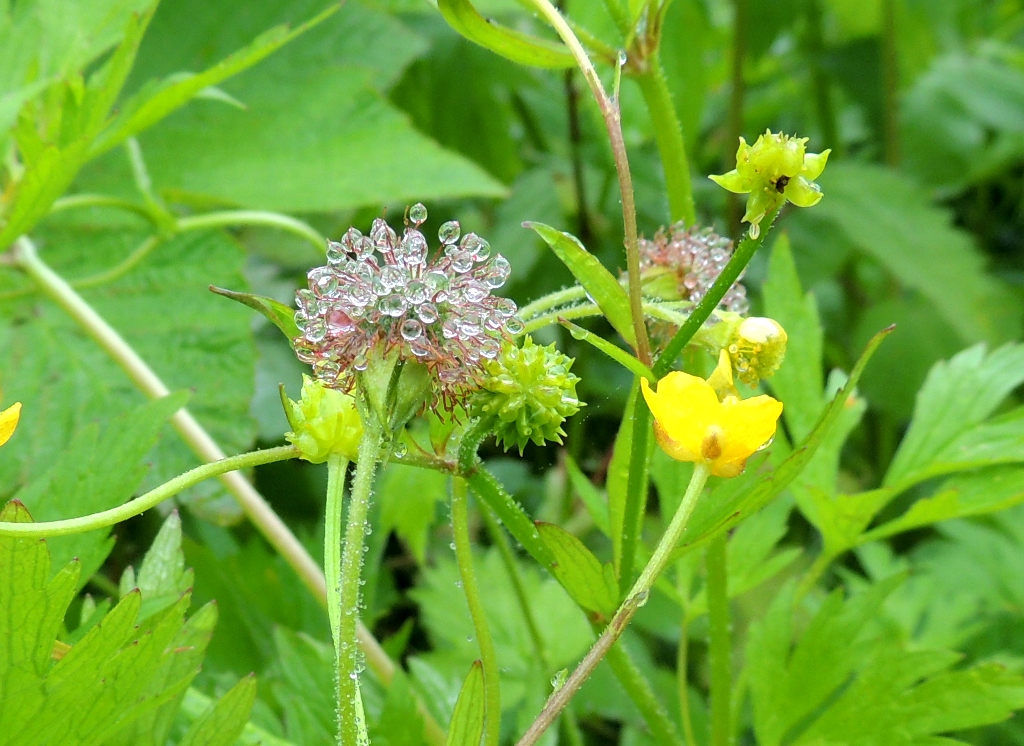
(449, 232)
(490, 348)
(393, 276)
(418, 214)
(363, 248)
(478, 247)
(474, 292)
(514, 326)
(359, 362)
(316, 330)
(351, 239)
(506, 307)
(417, 292)
(414, 247)
(393, 305)
(462, 261)
(419, 348)
(339, 322)
(622, 58)
(383, 235)
(436, 280)
(335, 252)
(427, 313)
(411, 329)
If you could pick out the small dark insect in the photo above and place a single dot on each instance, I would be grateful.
(780, 184)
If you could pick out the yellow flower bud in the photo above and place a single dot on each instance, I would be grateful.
(775, 169)
(324, 422)
(757, 349)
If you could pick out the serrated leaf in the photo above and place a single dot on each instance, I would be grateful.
(957, 395)
(195, 704)
(599, 283)
(192, 339)
(305, 688)
(162, 576)
(509, 43)
(890, 219)
(399, 723)
(224, 722)
(409, 498)
(798, 383)
(280, 315)
(97, 472)
(579, 571)
(467, 726)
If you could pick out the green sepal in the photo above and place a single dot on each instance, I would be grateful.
(508, 43)
(393, 390)
(278, 314)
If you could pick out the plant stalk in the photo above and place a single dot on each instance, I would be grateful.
(488, 656)
(351, 720)
(613, 122)
(334, 514)
(720, 647)
(637, 597)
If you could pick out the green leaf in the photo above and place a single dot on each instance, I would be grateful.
(510, 514)
(509, 43)
(304, 687)
(162, 578)
(957, 396)
(120, 675)
(155, 101)
(399, 723)
(798, 383)
(890, 219)
(224, 721)
(97, 472)
(620, 356)
(593, 500)
(602, 286)
(280, 315)
(977, 493)
(591, 584)
(409, 498)
(196, 704)
(467, 727)
(192, 339)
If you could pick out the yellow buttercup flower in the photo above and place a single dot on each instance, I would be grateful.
(9, 421)
(691, 424)
(775, 169)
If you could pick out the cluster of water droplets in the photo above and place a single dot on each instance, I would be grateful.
(697, 256)
(382, 291)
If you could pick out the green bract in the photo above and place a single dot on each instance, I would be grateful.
(324, 421)
(776, 168)
(529, 392)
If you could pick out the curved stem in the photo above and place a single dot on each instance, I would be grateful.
(152, 498)
(263, 517)
(121, 269)
(668, 134)
(351, 721)
(229, 218)
(77, 201)
(720, 646)
(488, 657)
(636, 598)
(613, 123)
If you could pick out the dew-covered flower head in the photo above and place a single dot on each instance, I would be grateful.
(682, 263)
(777, 168)
(384, 293)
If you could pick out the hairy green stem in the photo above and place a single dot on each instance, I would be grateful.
(351, 722)
(556, 299)
(230, 218)
(682, 655)
(256, 508)
(642, 695)
(740, 259)
(613, 122)
(152, 498)
(488, 656)
(334, 514)
(720, 645)
(637, 597)
(668, 134)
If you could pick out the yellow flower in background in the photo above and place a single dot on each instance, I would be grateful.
(691, 424)
(9, 421)
(776, 168)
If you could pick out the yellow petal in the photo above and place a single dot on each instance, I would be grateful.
(814, 164)
(685, 407)
(8, 421)
(733, 181)
(749, 424)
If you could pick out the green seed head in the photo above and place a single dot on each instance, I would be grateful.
(324, 422)
(529, 392)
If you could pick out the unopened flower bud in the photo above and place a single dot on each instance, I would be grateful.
(324, 422)
(529, 392)
(757, 349)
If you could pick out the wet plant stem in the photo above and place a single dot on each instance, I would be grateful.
(336, 467)
(668, 133)
(613, 122)
(488, 656)
(636, 598)
(720, 644)
(351, 722)
(152, 498)
(682, 656)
